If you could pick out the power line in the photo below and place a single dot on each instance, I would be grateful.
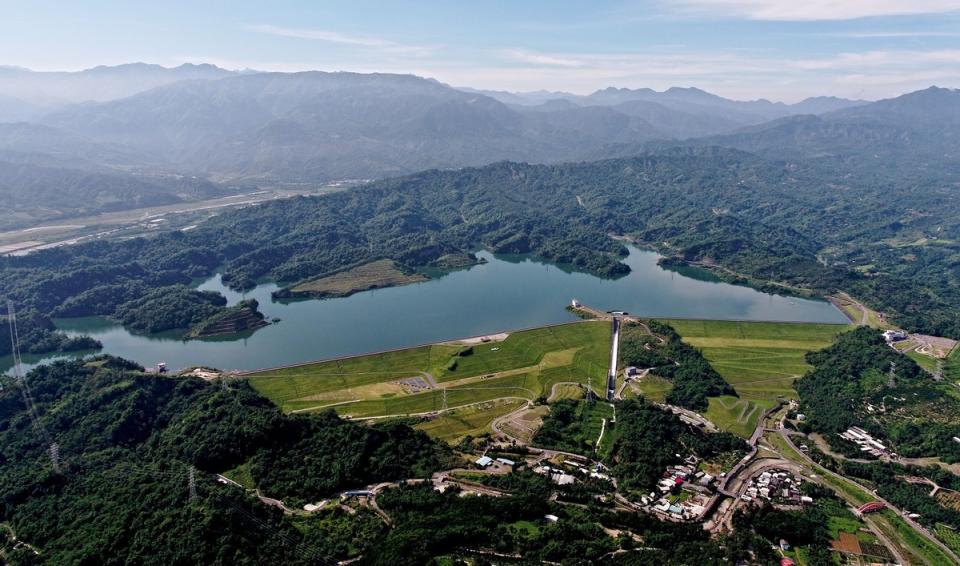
(21, 379)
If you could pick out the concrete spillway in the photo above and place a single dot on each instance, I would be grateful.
(614, 354)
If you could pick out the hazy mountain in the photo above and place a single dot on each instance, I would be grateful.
(46, 90)
(677, 112)
(823, 104)
(320, 126)
(935, 111)
(47, 173)
(531, 98)
(316, 126)
(23, 142)
(922, 125)
(13, 109)
(34, 193)
(696, 102)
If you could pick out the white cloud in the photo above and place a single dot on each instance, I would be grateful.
(892, 34)
(524, 56)
(814, 10)
(343, 39)
(735, 73)
(740, 74)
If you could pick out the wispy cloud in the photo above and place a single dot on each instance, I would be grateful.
(735, 73)
(524, 56)
(891, 34)
(343, 39)
(819, 10)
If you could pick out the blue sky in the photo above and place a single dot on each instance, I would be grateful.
(777, 49)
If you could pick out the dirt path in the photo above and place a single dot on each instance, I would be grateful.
(440, 411)
(498, 423)
(824, 447)
(842, 299)
(623, 385)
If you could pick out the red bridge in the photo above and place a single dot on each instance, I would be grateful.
(871, 507)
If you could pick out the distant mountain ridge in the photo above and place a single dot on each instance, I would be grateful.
(100, 83)
(909, 129)
(319, 126)
(159, 124)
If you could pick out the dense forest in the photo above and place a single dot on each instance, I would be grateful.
(126, 440)
(759, 220)
(693, 379)
(860, 381)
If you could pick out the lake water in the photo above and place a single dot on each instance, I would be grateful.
(502, 294)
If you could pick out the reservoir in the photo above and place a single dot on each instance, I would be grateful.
(505, 293)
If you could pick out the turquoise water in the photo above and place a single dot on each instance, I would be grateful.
(502, 294)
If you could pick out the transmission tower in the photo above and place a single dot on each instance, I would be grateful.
(444, 399)
(589, 388)
(55, 456)
(892, 380)
(21, 379)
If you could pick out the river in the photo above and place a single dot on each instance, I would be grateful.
(505, 293)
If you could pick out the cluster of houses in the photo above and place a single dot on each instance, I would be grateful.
(684, 491)
(565, 475)
(680, 474)
(777, 486)
(690, 508)
(866, 442)
(558, 476)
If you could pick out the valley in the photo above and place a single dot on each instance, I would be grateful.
(327, 317)
(135, 222)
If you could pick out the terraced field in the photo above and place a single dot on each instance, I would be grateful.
(760, 359)
(951, 368)
(521, 367)
(474, 420)
(736, 415)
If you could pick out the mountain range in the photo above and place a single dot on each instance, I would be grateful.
(122, 125)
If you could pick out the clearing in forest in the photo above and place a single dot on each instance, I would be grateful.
(373, 275)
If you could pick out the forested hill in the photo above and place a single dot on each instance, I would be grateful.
(126, 441)
(761, 219)
(860, 381)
